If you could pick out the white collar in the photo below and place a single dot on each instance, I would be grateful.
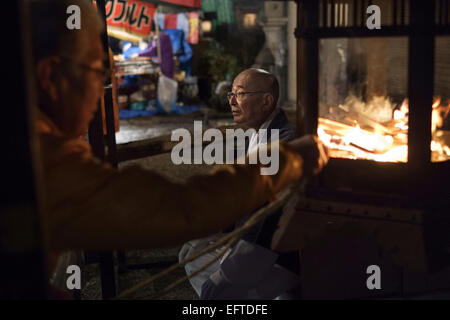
(254, 140)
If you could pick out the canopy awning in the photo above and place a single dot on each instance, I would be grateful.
(132, 19)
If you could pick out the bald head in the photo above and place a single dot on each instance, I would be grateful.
(260, 99)
(263, 80)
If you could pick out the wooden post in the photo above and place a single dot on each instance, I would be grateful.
(22, 259)
(307, 68)
(421, 84)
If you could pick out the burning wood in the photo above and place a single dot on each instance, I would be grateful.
(372, 140)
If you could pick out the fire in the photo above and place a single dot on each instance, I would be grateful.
(384, 142)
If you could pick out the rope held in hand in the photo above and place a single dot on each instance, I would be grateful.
(230, 238)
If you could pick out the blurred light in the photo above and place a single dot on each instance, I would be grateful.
(206, 26)
(143, 45)
(249, 20)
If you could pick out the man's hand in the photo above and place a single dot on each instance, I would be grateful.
(313, 152)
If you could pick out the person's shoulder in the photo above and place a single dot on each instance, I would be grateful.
(286, 129)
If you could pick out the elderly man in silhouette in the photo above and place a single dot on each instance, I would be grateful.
(91, 206)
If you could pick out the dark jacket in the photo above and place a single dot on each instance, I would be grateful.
(280, 122)
(255, 247)
(286, 133)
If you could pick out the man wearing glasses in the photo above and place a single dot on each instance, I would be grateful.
(253, 103)
(249, 270)
(91, 206)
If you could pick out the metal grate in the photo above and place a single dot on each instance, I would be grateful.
(353, 13)
(348, 18)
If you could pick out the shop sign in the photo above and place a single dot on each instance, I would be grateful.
(131, 16)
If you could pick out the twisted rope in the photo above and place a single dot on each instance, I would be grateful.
(230, 238)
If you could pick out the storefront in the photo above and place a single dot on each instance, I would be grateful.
(153, 60)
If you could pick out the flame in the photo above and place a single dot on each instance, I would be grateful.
(387, 145)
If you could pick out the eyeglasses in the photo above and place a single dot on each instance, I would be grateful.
(240, 95)
(104, 73)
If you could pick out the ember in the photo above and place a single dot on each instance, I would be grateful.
(358, 131)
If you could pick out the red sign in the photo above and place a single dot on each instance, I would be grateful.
(170, 21)
(133, 16)
(186, 3)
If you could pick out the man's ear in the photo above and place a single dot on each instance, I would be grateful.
(47, 78)
(268, 102)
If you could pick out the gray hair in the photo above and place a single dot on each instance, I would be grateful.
(50, 34)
